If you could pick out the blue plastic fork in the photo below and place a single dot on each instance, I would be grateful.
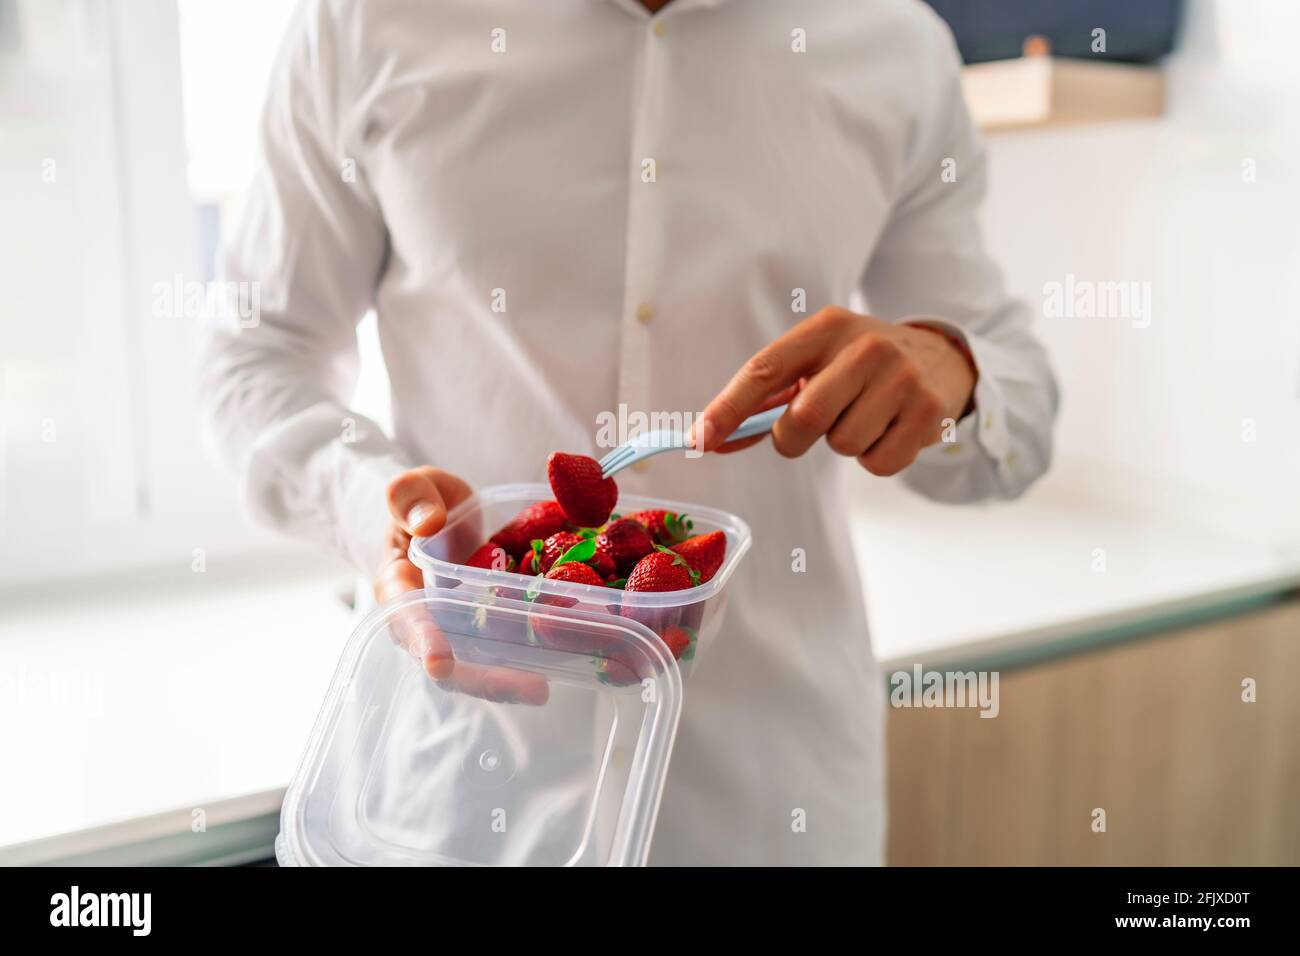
(649, 444)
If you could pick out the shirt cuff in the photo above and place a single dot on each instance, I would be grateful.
(303, 478)
(984, 431)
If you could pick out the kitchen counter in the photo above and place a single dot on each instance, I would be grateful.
(1057, 572)
(124, 699)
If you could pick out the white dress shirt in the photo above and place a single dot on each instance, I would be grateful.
(429, 160)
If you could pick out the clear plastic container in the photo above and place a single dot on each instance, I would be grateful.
(698, 610)
(548, 744)
(404, 770)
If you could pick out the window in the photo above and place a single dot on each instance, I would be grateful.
(171, 654)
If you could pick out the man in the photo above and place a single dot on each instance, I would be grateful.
(556, 208)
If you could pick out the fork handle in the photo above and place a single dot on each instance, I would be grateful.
(758, 424)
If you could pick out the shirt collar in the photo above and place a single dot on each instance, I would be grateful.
(636, 9)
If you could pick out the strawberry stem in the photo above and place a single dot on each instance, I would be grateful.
(678, 526)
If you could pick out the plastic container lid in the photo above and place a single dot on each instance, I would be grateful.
(404, 770)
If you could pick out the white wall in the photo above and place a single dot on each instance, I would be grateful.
(1155, 415)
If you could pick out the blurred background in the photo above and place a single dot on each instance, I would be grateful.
(161, 661)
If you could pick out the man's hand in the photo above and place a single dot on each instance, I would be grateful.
(879, 392)
(418, 501)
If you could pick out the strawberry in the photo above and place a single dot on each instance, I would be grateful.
(616, 671)
(680, 640)
(553, 547)
(666, 527)
(491, 556)
(663, 570)
(585, 496)
(628, 541)
(704, 553)
(620, 665)
(602, 559)
(539, 520)
(576, 572)
(558, 634)
(528, 564)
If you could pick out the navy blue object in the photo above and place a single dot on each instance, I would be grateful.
(1137, 31)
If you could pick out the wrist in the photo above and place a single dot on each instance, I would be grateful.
(958, 345)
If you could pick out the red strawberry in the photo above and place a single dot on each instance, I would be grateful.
(558, 634)
(680, 640)
(528, 564)
(704, 553)
(661, 571)
(491, 556)
(574, 571)
(585, 496)
(540, 520)
(620, 665)
(602, 560)
(667, 527)
(553, 547)
(628, 541)
(617, 671)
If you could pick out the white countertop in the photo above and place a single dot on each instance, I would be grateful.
(942, 580)
(170, 691)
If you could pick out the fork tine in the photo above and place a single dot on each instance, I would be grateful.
(631, 458)
(619, 456)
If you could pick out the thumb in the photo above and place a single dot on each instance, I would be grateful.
(418, 499)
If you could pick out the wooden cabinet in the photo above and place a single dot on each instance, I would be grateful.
(1153, 732)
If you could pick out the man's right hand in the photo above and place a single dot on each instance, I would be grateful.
(418, 501)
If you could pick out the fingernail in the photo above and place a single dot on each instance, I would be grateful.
(418, 515)
(439, 668)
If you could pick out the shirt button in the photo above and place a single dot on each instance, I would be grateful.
(659, 27)
(645, 313)
(988, 420)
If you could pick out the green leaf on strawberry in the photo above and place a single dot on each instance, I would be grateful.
(582, 551)
(689, 653)
(534, 589)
